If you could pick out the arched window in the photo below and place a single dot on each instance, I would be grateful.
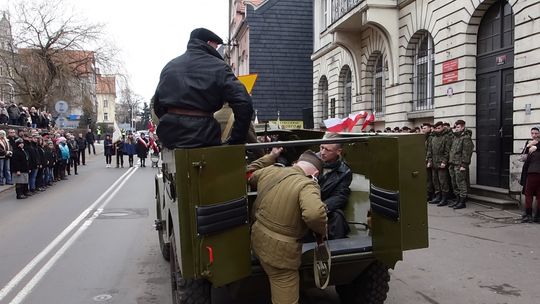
(345, 89)
(379, 81)
(323, 96)
(424, 80)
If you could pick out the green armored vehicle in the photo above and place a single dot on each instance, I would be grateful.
(203, 209)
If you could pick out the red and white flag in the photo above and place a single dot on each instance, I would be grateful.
(369, 119)
(353, 119)
(151, 126)
(334, 124)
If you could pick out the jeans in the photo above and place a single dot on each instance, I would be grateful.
(32, 179)
(5, 174)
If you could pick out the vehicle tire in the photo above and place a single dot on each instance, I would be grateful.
(164, 247)
(188, 291)
(370, 287)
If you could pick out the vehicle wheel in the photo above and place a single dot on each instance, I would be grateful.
(370, 287)
(165, 247)
(186, 291)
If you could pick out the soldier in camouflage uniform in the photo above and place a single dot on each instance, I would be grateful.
(426, 130)
(438, 153)
(460, 158)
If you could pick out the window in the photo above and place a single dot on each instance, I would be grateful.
(323, 94)
(424, 81)
(105, 103)
(105, 116)
(347, 93)
(333, 107)
(324, 21)
(379, 81)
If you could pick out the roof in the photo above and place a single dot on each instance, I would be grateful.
(106, 84)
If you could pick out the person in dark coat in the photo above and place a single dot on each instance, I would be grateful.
(34, 161)
(108, 150)
(531, 173)
(119, 148)
(191, 88)
(81, 142)
(90, 139)
(20, 168)
(334, 182)
(142, 149)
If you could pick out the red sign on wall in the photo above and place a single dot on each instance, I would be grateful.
(450, 71)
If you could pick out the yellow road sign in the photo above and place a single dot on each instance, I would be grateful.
(248, 81)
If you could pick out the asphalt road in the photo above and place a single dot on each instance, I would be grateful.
(90, 239)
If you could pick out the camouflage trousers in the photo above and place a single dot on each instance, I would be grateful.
(441, 181)
(459, 180)
(429, 175)
(284, 284)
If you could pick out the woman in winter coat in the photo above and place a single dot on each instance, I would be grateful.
(63, 157)
(142, 149)
(19, 169)
(108, 150)
(130, 148)
(119, 147)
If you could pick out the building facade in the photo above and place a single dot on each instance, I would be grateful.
(105, 99)
(274, 39)
(7, 91)
(415, 61)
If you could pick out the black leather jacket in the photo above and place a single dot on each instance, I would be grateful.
(200, 80)
(335, 185)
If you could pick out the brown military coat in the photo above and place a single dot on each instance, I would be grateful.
(287, 204)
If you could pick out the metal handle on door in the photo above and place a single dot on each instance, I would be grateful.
(501, 132)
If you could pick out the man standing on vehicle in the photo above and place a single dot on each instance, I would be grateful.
(334, 182)
(287, 204)
(191, 88)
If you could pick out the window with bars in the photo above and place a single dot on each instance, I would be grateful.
(323, 90)
(424, 80)
(379, 87)
(347, 93)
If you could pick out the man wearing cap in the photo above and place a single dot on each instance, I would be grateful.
(287, 204)
(191, 88)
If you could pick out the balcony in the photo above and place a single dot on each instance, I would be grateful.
(341, 7)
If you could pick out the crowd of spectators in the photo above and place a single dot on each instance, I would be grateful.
(34, 159)
(19, 115)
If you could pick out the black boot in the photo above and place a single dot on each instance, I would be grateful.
(436, 199)
(454, 202)
(527, 217)
(461, 203)
(429, 196)
(537, 216)
(444, 200)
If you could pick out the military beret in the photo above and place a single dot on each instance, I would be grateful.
(312, 158)
(205, 35)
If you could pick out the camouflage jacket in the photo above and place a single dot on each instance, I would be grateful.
(462, 148)
(429, 138)
(439, 149)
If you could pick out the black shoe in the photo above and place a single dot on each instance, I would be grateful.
(526, 219)
(453, 203)
(536, 218)
(436, 199)
(22, 196)
(444, 200)
(461, 203)
(76, 173)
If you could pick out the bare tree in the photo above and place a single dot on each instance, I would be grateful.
(129, 105)
(55, 54)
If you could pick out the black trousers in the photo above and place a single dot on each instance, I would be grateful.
(119, 159)
(81, 156)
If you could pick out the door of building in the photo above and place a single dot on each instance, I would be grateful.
(494, 95)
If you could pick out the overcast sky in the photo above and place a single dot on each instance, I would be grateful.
(150, 33)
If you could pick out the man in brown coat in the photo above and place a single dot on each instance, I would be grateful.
(288, 203)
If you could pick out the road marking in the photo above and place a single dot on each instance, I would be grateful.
(27, 289)
(37, 259)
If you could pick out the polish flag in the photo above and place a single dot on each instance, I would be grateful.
(369, 119)
(353, 119)
(151, 126)
(334, 124)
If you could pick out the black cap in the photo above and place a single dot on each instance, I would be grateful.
(205, 35)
